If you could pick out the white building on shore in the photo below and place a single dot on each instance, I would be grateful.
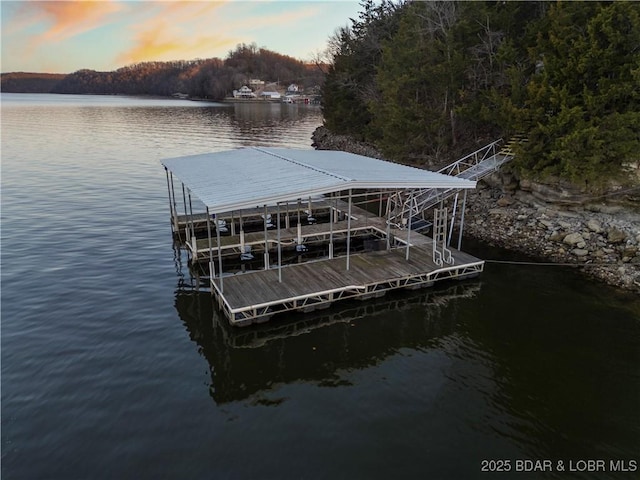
(244, 92)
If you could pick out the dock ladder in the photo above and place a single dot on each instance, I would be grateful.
(441, 254)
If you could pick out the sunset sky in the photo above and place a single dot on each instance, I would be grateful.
(65, 36)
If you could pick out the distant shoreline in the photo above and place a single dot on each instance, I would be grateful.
(248, 100)
(226, 100)
(267, 100)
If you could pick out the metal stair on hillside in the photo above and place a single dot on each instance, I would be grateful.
(474, 166)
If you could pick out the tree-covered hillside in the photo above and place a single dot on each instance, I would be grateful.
(24, 82)
(428, 81)
(204, 78)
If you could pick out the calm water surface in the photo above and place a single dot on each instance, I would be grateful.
(115, 366)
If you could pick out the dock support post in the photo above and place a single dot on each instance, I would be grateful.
(170, 205)
(408, 236)
(219, 255)
(279, 246)
(187, 237)
(464, 203)
(233, 225)
(453, 219)
(388, 214)
(241, 234)
(330, 230)
(266, 241)
(212, 268)
(287, 223)
(172, 198)
(349, 230)
(193, 227)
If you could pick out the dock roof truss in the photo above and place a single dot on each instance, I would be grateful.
(254, 176)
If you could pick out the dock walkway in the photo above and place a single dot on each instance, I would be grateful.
(363, 223)
(256, 296)
(251, 216)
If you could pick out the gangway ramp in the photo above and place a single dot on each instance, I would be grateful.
(475, 166)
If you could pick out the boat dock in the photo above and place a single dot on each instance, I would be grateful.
(307, 228)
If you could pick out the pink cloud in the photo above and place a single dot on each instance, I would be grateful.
(184, 30)
(66, 19)
(170, 33)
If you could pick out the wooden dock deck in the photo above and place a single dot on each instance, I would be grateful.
(256, 296)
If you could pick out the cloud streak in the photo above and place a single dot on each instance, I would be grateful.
(67, 19)
(168, 33)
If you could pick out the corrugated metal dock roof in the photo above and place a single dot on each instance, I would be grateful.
(255, 176)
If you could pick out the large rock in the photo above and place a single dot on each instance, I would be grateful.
(556, 191)
(557, 236)
(629, 253)
(499, 211)
(615, 235)
(579, 252)
(573, 239)
(504, 201)
(324, 139)
(547, 223)
(594, 226)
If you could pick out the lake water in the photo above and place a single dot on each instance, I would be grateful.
(115, 367)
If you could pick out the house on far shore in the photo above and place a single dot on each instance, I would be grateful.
(270, 92)
(293, 95)
(256, 83)
(244, 92)
(270, 95)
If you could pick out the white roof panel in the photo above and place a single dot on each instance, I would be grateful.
(255, 176)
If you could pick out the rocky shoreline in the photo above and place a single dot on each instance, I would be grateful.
(546, 222)
(603, 238)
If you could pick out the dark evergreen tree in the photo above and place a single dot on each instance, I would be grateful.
(425, 81)
(420, 78)
(350, 85)
(582, 109)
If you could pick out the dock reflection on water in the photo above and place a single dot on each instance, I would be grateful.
(315, 347)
